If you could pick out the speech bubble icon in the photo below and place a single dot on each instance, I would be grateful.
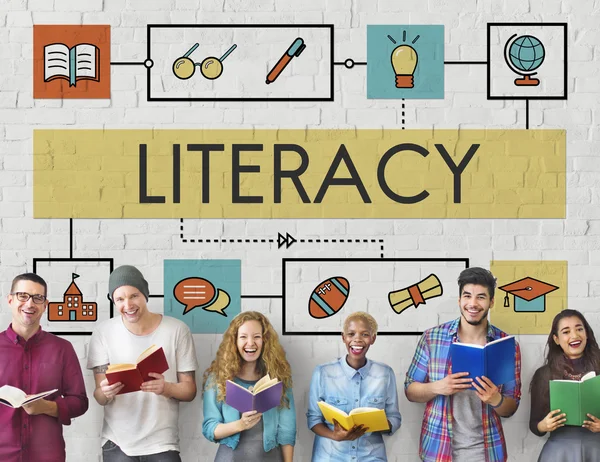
(194, 292)
(218, 306)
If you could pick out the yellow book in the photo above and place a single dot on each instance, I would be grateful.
(372, 418)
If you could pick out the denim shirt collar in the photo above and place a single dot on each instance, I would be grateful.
(350, 372)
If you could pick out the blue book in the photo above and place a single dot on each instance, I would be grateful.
(495, 360)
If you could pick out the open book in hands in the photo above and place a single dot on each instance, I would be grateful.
(576, 398)
(15, 397)
(373, 419)
(133, 375)
(495, 360)
(265, 395)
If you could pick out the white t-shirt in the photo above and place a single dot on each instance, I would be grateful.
(142, 423)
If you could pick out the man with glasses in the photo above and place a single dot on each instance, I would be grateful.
(36, 361)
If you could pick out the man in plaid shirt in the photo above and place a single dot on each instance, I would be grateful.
(461, 424)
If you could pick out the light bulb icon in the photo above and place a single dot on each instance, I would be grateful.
(404, 61)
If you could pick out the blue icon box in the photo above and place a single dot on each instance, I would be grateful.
(405, 62)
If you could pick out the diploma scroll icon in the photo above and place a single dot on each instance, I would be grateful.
(415, 295)
(295, 49)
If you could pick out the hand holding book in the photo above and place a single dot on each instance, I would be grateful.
(487, 391)
(555, 419)
(453, 383)
(593, 424)
(41, 406)
(148, 368)
(249, 419)
(110, 390)
(155, 383)
(341, 434)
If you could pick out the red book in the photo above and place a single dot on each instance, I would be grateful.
(133, 375)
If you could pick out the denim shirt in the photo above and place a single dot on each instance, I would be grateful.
(279, 424)
(373, 385)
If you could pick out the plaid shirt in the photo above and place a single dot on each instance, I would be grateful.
(431, 363)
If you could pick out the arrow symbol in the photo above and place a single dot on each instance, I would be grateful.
(286, 240)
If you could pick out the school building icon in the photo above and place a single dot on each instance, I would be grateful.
(73, 307)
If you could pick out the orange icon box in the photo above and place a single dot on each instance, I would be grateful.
(71, 62)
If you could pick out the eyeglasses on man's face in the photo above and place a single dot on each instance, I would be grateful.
(24, 296)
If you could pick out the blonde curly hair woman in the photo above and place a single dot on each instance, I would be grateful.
(249, 350)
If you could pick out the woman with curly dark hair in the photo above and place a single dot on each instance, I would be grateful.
(572, 351)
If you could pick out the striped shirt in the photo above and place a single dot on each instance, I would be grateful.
(431, 363)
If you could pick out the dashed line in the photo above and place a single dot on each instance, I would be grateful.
(271, 241)
(403, 114)
(220, 240)
(344, 241)
(318, 241)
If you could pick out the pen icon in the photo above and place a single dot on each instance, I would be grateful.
(295, 49)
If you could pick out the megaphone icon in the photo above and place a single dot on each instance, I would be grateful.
(415, 295)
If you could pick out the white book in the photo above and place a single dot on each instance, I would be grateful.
(15, 397)
(73, 64)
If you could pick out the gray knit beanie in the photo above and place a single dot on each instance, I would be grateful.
(127, 275)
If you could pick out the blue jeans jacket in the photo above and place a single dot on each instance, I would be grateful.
(279, 424)
(336, 383)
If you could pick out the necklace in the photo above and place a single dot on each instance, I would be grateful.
(569, 376)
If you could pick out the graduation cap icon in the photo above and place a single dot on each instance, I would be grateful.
(530, 294)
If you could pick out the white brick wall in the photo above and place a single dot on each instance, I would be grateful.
(148, 243)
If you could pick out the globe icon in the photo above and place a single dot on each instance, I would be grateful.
(524, 55)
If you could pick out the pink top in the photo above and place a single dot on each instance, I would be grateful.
(42, 363)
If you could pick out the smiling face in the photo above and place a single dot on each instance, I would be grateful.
(475, 303)
(131, 303)
(358, 338)
(572, 337)
(250, 341)
(26, 315)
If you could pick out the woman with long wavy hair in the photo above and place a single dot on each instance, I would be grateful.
(250, 349)
(572, 351)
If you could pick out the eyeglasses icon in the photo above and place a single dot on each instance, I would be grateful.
(24, 296)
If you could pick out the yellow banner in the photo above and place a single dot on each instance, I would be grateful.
(314, 173)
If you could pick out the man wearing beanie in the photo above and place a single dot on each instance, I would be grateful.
(141, 425)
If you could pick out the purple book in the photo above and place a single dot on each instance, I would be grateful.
(244, 400)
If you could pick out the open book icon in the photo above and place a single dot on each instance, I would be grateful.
(576, 398)
(152, 359)
(15, 397)
(370, 417)
(80, 62)
(265, 395)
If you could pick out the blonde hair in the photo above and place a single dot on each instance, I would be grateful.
(364, 317)
(228, 361)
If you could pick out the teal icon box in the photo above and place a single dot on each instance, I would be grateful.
(223, 275)
(428, 77)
